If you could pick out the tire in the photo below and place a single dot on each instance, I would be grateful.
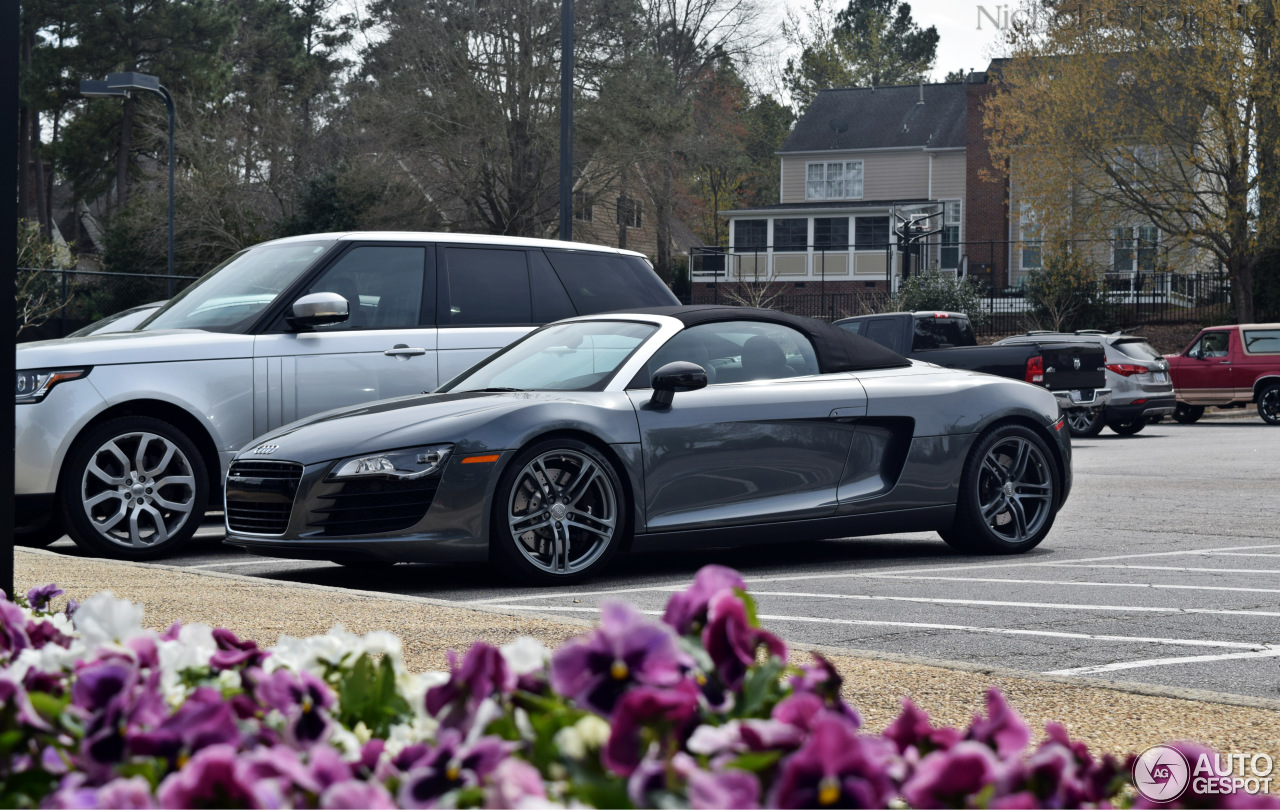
(589, 508)
(1084, 422)
(1269, 404)
(44, 536)
(1185, 414)
(1155, 420)
(1128, 427)
(1009, 493)
(114, 509)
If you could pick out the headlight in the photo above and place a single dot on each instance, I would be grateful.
(404, 465)
(32, 386)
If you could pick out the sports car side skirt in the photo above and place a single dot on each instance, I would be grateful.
(925, 519)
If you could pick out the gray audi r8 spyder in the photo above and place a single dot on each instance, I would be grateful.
(667, 428)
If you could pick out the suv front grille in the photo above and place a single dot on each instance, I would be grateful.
(260, 495)
(374, 506)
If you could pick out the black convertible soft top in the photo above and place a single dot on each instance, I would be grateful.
(837, 349)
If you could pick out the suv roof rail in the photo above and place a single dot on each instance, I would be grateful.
(1090, 332)
(1042, 332)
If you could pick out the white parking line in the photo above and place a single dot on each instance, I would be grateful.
(915, 569)
(1172, 568)
(1004, 631)
(1241, 554)
(1270, 652)
(263, 561)
(1037, 605)
(911, 578)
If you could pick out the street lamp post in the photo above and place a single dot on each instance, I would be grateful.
(122, 84)
(566, 120)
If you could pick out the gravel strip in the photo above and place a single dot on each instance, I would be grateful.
(1108, 719)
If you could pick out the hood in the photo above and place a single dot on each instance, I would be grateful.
(115, 348)
(394, 423)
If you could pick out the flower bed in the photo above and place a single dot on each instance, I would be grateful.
(700, 709)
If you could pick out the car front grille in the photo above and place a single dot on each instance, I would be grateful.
(373, 506)
(260, 496)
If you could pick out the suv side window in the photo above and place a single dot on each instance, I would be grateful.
(602, 282)
(382, 285)
(740, 351)
(484, 287)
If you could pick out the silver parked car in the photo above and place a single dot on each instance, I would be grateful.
(123, 439)
(1138, 376)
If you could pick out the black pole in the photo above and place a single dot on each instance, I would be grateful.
(8, 308)
(566, 120)
(168, 103)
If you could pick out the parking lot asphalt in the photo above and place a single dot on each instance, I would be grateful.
(1163, 568)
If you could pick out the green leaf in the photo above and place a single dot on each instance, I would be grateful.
(367, 693)
(47, 705)
(761, 688)
(756, 761)
(750, 604)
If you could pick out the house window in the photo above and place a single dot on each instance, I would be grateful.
(1135, 249)
(831, 233)
(835, 180)
(1029, 235)
(583, 211)
(871, 233)
(949, 255)
(750, 234)
(790, 235)
(629, 213)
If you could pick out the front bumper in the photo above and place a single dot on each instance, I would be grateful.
(1083, 398)
(453, 528)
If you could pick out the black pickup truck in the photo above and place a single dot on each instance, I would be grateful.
(1074, 372)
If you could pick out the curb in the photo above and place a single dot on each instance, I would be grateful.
(1127, 687)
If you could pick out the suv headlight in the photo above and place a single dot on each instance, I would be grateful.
(403, 465)
(33, 385)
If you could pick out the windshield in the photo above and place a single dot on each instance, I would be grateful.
(232, 295)
(579, 356)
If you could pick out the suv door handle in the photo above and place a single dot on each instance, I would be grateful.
(403, 350)
(1224, 362)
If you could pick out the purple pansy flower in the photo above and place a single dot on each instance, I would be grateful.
(627, 649)
(835, 768)
(732, 642)
(210, 779)
(946, 778)
(687, 611)
(822, 679)
(1002, 728)
(450, 765)
(14, 694)
(723, 789)
(13, 630)
(912, 728)
(203, 720)
(511, 783)
(301, 697)
(356, 795)
(234, 652)
(39, 596)
(668, 712)
(484, 671)
(126, 794)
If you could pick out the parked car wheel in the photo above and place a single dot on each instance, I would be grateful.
(1008, 494)
(559, 513)
(1185, 414)
(1128, 427)
(1269, 404)
(1084, 422)
(134, 488)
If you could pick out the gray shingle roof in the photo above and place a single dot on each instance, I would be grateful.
(883, 118)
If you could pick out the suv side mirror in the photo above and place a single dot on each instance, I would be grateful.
(673, 377)
(319, 309)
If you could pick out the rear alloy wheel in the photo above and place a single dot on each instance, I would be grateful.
(1008, 494)
(559, 513)
(1084, 422)
(134, 488)
(1269, 404)
(1185, 414)
(1128, 427)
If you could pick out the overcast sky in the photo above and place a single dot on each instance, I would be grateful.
(960, 44)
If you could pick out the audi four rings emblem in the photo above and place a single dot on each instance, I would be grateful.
(265, 449)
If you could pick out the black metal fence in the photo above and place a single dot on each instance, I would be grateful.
(76, 298)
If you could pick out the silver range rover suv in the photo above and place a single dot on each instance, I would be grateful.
(123, 439)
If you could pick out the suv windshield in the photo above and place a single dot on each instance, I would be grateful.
(233, 294)
(579, 356)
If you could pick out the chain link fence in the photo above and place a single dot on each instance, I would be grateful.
(61, 301)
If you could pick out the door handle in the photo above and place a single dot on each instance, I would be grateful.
(402, 350)
(1224, 362)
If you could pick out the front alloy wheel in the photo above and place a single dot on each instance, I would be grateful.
(1185, 414)
(1008, 494)
(1128, 427)
(562, 513)
(1084, 422)
(1269, 405)
(139, 488)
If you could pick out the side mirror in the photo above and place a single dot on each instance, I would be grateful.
(673, 377)
(319, 309)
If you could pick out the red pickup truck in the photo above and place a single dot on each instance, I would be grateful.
(1230, 367)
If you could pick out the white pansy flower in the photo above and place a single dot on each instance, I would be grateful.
(229, 679)
(104, 619)
(595, 730)
(711, 740)
(192, 649)
(569, 743)
(347, 743)
(525, 655)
